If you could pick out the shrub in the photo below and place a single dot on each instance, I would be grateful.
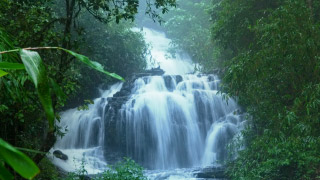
(124, 170)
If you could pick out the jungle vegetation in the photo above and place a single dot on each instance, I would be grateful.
(267, 53)
(268, 56)
(37, 81)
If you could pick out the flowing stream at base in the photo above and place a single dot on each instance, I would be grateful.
(171, 124)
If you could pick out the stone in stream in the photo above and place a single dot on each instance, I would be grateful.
(211, 172)
(59, 154)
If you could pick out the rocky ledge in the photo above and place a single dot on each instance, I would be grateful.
(115, 142)
(212, 172)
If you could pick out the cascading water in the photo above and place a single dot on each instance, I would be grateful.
(181, 64)
(172, 121)
(167, 119)
(84, 135)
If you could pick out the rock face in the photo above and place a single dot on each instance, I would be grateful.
(115, 142)
(112, 141)
(59, 154)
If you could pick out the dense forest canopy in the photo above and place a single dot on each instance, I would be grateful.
(267, 54)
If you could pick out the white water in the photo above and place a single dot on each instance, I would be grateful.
(172, 120)
(172, 124)
(84, 136)
(181, 64)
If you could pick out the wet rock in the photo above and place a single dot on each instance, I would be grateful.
(123, 92)
(150, 72)
(168, 82)
(211, 78)
(59, 154)
(115, 142)
(155, 71)
(178, 79)
(212, 172)
(84, 177)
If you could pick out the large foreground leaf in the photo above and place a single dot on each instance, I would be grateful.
(93, 64)
(37, 71)
(18, 161)
(4, 173)
(8, 65)
(30, 150)
(2, 73)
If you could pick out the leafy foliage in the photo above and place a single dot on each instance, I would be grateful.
(113, 45)
(106, 10)
(189, 28)
(270, 53)
(42, 24)
(7, 65)
(95, 65)
(36, 70)
(3, 73)
(125, 170)
(17, 160)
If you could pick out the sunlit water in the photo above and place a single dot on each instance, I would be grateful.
(173, 124)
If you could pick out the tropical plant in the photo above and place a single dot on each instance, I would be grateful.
(41, 23)
(113, 45)
(35, 68)
(18, 161)
(124, 170)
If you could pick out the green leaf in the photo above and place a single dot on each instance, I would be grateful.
(57, 90)
(4, 173)
(2, 73)
(37, 71)
(21, 163)
(8, 65)
(93, 64)
(30, 150)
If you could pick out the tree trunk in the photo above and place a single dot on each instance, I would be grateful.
(50, 137)
(64, 61)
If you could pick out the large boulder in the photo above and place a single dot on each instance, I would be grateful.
(59, 154)
(212, 172)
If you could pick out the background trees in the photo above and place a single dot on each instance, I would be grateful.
(268, 56)
(189, 28)
(270, 53)
(88, 26)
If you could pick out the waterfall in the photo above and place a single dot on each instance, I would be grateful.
(84, 135)
(168, 121)
(163, 122)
